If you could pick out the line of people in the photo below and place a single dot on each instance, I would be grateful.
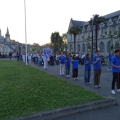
(66, 62)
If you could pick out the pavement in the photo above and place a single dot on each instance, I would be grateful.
(106, 113)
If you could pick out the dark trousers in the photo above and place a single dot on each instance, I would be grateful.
(87, 76)
(97, 74)
(67, 69)
(75, 73)
(10, 57)
(116, 79)
(17, 58)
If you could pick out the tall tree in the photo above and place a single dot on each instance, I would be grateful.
(60, 41)
(54, 39)
(74, 30)
(96, 20)
(111, 35)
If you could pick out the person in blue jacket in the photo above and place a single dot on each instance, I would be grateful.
(62, 64)
(67, 65)
(75, 63)
(116, 71)
(87, 69)
(97, 69)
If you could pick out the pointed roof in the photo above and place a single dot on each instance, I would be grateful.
(112, 14)
(7, 33)
(78, 23)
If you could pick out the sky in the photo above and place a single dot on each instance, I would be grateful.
(46, 16)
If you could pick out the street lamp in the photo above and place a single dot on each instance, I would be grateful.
(25, 29)
(92, 39)
(54, 43)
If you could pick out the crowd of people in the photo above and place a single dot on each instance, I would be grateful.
(69, 62)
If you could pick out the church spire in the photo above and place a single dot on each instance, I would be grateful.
(7, 33)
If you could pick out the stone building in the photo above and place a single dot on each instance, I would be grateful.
(107, 35)
(5, 44)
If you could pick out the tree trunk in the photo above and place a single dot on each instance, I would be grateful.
(74, 45)
(96, 28)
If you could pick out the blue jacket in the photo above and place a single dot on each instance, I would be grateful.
(75, 64)
(110, 58)
(62, 59)
(116, 62)
(67, 62)
(97, 65)
(88, 65)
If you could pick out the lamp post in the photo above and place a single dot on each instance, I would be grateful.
(92, 40)
(54, 43)
(25, 29)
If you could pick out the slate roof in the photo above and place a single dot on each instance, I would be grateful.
(78, 23)
(83, 23)
(112, 14)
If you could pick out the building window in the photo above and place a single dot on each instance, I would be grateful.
(102, 47)
(119, 27)
(71, 48)
(101, 30)
(83, 47)
(108, 46)
(78, 48)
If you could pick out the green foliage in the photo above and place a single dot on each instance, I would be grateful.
(75, 30)
(54, 36)
(88, 37)
(97, 19)
(110, 34)
(36, 44)
(25, 90)
(118, 34)
(64, 36)
(115, 33)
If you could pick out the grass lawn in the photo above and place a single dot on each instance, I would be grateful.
(25, 90)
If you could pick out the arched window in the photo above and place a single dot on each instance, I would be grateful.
(102, 47)
(78, 47)
(108, 46)
(71, 48)
(83, 47)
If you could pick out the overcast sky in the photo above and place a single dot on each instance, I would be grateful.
(47, 16)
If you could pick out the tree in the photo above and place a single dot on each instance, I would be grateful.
(74, 30)
(36, 44)
(54, 39)
(96, 20)
(64, 36)
(60, 41)
(111, 41)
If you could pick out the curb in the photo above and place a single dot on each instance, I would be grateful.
(54, 114)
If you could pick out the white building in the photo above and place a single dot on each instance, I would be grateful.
(83, 39)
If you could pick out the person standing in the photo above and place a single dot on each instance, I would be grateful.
(10, 55)
(29, 57)
(109, 62)
(67, 65)
(75, 63)
(116, 71)
(62, 63)
(46, 56)
(97, 69)
(87, 69)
